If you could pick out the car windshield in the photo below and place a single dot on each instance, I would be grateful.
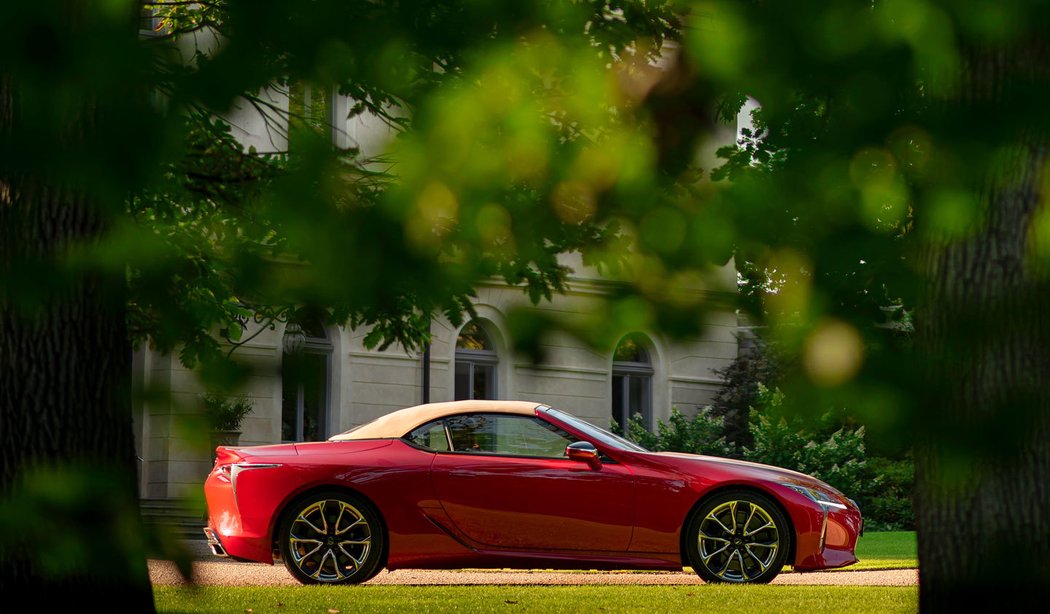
(597, 433)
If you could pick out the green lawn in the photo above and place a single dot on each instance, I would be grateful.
(572, 599)
(887, 550)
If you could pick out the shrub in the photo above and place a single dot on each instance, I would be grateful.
(827, 450)
(890, 505)
(701, 434)
(758, 363)
(838, 459)
(226, 413)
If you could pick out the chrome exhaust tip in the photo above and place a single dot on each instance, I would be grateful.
(214, 543)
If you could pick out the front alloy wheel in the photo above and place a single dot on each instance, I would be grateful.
(739, 537)
(331, 538)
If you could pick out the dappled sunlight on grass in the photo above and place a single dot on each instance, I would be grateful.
(709, 598)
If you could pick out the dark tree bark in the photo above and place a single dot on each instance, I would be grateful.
(983, 438)
(68, 500)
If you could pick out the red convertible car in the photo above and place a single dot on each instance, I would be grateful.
(512, 484)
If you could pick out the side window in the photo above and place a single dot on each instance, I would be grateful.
(430, 436)
(507, 435)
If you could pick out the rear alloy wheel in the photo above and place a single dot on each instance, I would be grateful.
(332, 538)
(739, 537)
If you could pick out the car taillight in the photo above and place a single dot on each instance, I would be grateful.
(237, 468)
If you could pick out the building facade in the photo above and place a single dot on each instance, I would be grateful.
(334, 382)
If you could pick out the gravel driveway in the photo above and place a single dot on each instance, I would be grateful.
(213, 571)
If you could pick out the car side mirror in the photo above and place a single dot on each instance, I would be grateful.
(584, 451)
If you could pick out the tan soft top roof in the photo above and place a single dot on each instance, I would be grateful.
(402, 421)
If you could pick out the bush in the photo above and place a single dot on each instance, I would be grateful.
(890, 506)
(226, 413)
(828, 451)
(701, 434)
(838, 459)
(757, 364)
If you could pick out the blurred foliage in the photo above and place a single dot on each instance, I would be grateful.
(73, 519)
(517, 142)
(526, 131)
(190, 239)
(631, 349)
(829, 452)
(837, 454)
(893, 141)
(473, 337)
(889, 503)
(756, 364)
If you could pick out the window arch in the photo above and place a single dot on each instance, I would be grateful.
(632, 382)
(305, 377)
(476, 364)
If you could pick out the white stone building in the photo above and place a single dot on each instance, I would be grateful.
(344, 384)
(337, 383)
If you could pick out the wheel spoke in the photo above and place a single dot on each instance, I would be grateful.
(747, 522)
(743, 568)
(715, 553)
(319, 523)
(329, 555)
(704, 536)
(771, 544)
(768, 525)
(739, 550)
(304, 519)
(719, 522)
(303, 557)
(725, 567)
(352, 525)
(357, 561)
(342, 508)
(761, 563)
(324, 520)
(703, 550)
(336, 566)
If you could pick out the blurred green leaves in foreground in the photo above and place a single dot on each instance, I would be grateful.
(886, 210)
(77, 519)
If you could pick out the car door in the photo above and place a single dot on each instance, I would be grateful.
(506, 483)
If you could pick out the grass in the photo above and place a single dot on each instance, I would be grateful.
(887, 550)
(513, 599)
(884, 550)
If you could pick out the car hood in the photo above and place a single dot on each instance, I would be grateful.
(743, 469)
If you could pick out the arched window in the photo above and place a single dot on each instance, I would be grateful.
(476, 362)
(305, 376)
(632, 382)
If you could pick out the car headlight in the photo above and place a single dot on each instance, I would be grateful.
(817, 496)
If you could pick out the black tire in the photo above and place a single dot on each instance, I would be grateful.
(332, 537)
(745, 539)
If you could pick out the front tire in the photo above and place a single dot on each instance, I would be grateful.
(332, 537)
(738, 537)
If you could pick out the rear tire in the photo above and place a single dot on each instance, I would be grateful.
(332, 537)
(737, 537)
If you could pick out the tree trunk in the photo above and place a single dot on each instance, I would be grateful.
(68, 501)
(983, 439)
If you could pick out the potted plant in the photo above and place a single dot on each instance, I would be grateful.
(224, 415)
